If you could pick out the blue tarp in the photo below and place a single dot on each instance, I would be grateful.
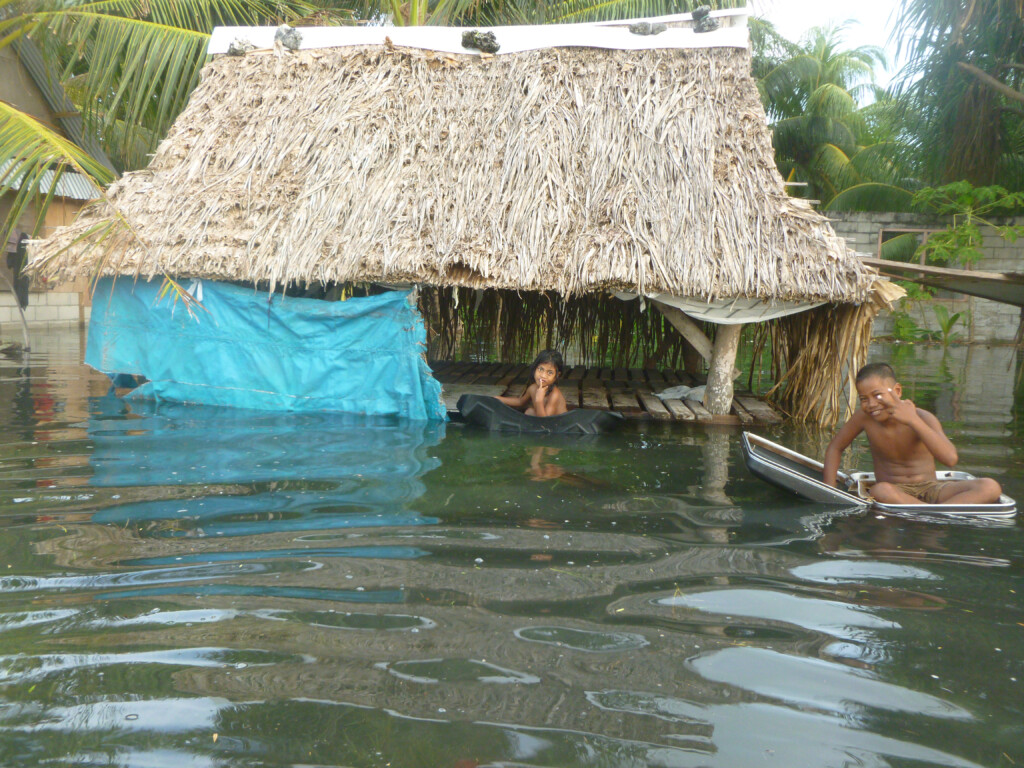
(252, 473)
(248, 349)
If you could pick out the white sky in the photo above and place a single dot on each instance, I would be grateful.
(874, 21)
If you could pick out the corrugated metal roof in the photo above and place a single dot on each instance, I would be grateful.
(70, 184)
(53, 92)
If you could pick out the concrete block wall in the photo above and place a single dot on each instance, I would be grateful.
(43, 307)
(990, 321)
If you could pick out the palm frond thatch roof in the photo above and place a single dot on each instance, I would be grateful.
(569, 169)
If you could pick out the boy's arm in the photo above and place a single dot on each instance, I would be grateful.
(556, 406)
(935, 440)
(927, 428)
(840, 443)
(517, 402)
(542, 408)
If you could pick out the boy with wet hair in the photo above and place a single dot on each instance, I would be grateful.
(542, 397)
(905, 442)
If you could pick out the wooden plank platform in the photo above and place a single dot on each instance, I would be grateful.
(629, 391)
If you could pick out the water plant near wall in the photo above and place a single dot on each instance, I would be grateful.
(947, 323)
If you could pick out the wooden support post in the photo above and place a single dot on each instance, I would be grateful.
(693, 334)
(688, 329)
(718, 395)
(691, 359)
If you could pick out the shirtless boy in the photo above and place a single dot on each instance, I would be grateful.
(905, 442)
(542, 397)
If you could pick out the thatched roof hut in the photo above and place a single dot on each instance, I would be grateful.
(579, 160)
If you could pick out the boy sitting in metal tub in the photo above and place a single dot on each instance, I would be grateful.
(905, 442)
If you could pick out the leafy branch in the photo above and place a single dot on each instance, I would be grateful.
(971, 208)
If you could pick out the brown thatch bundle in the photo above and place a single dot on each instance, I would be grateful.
(563, 169)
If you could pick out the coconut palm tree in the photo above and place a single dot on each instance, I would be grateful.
(964, 84)
(823, 137)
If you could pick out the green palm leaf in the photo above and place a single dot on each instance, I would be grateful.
(36, 157)
(872, 196)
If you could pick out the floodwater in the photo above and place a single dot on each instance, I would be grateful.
(185, 586)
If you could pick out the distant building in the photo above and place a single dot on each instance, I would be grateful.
(25, 84)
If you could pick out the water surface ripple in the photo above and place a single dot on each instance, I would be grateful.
(183, 585)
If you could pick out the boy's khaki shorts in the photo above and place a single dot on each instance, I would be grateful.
(928, 491)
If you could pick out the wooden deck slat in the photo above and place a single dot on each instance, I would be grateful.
(654, 407)
(702, 413)
(473, 374)
(510, 375)
(628, 390)
(656, 380)
(573, 395)
(450, 393)
(594, 397)
(457, 371)
(759, 409)
(742, 413)
(625, 402)
(679, 410)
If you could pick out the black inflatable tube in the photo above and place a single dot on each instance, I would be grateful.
(489, 413)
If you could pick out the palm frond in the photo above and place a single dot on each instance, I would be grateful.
(137, 62)
(872, 196)
(35, 158)
(831, 100)
(903, 247)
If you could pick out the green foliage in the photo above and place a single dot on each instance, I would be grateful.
(904, 328)
(969, 206)
(848, 156)
(947, 323)
(962, 88)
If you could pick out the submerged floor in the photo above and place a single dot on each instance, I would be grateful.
(197, 586)
(630, 391)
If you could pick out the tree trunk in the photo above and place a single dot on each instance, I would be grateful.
(718, 394)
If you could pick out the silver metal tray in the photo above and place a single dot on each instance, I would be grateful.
(802, 475)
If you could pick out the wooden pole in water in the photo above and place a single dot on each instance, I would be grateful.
(697, 344)
(17, 303)
(718, 394)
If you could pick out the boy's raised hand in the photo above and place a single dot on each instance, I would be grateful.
(903, 411)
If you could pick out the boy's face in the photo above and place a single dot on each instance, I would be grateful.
(877, 396)
(545, 374)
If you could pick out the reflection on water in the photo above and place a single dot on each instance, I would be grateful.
(194, 586)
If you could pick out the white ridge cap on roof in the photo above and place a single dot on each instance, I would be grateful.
(607, 34)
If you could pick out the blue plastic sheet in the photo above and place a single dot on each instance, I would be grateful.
(248, 349)
(355, 472)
